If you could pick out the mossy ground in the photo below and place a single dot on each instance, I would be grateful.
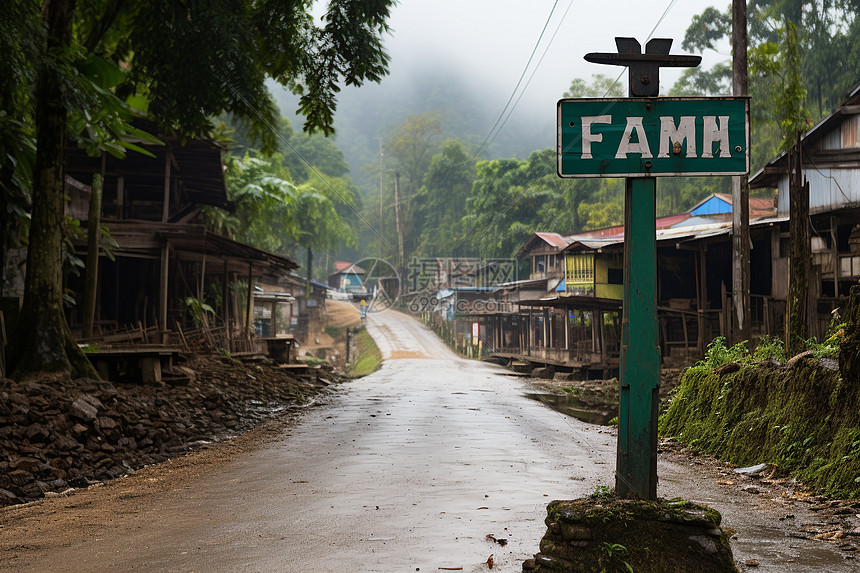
(604, 534)
(805, 419)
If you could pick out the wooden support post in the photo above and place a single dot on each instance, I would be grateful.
(701, 297)
(225, 297)
(249, 301)
(165, 209)
(162, 295)
(120, 196)
(834, 249)
(92, 277)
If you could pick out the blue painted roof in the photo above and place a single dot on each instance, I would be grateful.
(713, 205)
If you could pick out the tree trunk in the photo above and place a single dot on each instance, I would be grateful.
(798, 274)
(44, 343)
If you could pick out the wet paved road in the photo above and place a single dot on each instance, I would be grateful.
(408, 469)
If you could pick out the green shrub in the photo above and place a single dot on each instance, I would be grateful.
(770, 348)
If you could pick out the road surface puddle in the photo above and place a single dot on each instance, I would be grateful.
(572, 406)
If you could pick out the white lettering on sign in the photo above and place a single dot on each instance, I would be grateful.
(715, 130)
(669, 134)
(714, 133)
(627, 144)
(587, 137)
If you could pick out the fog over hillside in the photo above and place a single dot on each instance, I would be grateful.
(464, 58)
(366, 114)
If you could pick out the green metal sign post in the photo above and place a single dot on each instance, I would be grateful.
(637, 138)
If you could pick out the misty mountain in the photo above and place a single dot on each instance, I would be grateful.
(369, 113)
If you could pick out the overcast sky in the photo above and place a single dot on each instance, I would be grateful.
(492, 39)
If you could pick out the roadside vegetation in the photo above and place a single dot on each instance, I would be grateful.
(757, 407)
(368, 358)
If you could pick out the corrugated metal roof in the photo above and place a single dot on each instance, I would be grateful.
(553, 239)
(769, 175)
(574, 301)
(692, 229)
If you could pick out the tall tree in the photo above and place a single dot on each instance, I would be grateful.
(191, 61)
(600, 86)
(503, 209)
(408, 150)
(44, 342)
(21, 37)
(827, 31)
(781, 63)
(441, 202)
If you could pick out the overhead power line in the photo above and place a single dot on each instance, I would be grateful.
(519, 82)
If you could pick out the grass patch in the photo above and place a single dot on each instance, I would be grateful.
(367, 357)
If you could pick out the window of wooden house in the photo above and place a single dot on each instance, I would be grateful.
(579, 270)
(615, 276)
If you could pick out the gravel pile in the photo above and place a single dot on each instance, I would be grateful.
(57, 437)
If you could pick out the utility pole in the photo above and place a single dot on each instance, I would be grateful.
(381, 173)
(397, 220)
(740, 187)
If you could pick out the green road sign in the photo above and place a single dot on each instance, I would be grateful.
(647, 137)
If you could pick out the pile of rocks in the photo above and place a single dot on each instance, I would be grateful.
(53, 438)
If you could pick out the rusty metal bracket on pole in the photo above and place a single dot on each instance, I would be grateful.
(644, 69)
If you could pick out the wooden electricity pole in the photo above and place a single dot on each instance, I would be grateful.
(397, 220)
(740, 188)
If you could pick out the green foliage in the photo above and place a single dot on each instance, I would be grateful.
(312, 360)
(697, 82)
(719, 354)
(100, 121)
(441, 201)
(307, 153)
(780, 64)
(21, 37)
(770, 348)
(333, 331)
(274, 214)
(367, 357)
(511, 199)
(601, 86)
(227, 358)
(72, 263)
(827, 33)
(603, 494)
(615, 554)
(829, 348)
(197, 309)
